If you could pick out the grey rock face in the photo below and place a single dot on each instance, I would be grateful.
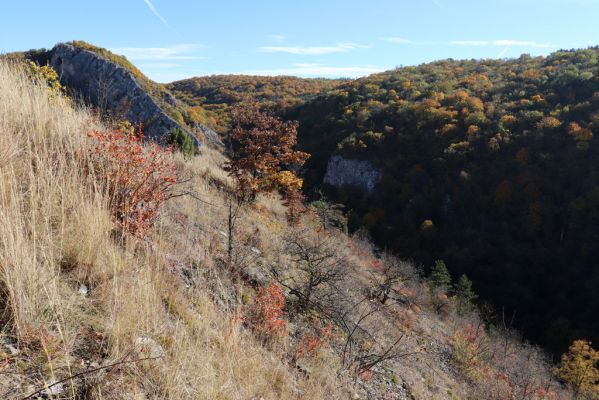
(212, 138)
(110, 86)
(350, 172)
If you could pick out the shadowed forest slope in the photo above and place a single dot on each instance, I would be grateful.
(490, 165)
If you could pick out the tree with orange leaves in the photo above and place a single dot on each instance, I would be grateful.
(263, 158)
(261, 150)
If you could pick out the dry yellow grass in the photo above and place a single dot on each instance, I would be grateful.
(55, 236)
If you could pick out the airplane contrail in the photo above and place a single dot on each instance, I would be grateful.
(503, 52)
(156, 13)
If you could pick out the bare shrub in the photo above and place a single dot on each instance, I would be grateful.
(316, 267)
(500, 366)
(366, 344)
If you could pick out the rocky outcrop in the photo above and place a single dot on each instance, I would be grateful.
(351, 172)
(111, 87)
(210, 136)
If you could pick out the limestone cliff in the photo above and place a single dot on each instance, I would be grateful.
(350, 172)
(112, 87)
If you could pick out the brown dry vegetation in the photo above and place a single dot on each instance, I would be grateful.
(165, 318)
(55, 236)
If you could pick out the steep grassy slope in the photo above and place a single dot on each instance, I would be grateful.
(74, 299)
(490, 165)
(88, 315)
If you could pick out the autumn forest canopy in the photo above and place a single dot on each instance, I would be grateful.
(489, 165)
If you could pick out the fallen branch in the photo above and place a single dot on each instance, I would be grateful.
(91, 371)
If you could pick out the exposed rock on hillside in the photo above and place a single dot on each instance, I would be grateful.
(211, 137)
(112, 87)
(350, 172)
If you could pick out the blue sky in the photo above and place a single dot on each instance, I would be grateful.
(174, 39)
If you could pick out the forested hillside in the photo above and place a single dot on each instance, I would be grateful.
(216, 93)
(489, 165)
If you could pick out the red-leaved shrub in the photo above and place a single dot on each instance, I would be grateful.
(267, 312)
(138, 178)
(311, 343)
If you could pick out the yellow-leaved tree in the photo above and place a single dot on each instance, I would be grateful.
(579, 367)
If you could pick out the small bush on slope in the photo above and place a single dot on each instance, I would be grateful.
(267, 311)
(182, 142)
(580, 368)
(139, 179)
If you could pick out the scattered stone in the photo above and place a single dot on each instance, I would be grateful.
(83, 290)
(55, 390)
(148, 347)
(11, 347)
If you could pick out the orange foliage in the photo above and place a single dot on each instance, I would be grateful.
(549, 123)
(448, 129)
(310, 344)
(137, 178)
(472, 130)
(263, 147)
(579, 133)
(295, 207)
(268, 311)
(507, 120)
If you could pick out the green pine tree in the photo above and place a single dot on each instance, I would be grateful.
(182, 142)
(464, 294)
(440, 277)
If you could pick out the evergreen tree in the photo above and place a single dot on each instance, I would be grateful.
(439, 277)
(464, 294)
(181, 141)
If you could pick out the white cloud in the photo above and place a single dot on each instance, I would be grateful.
(396, 39)
(276, 38)
(176, 52)
(320, 70)
(520, 43)
(503, 43)
(313, 50)
(438, 3)
(470, 43)
(157, 14)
